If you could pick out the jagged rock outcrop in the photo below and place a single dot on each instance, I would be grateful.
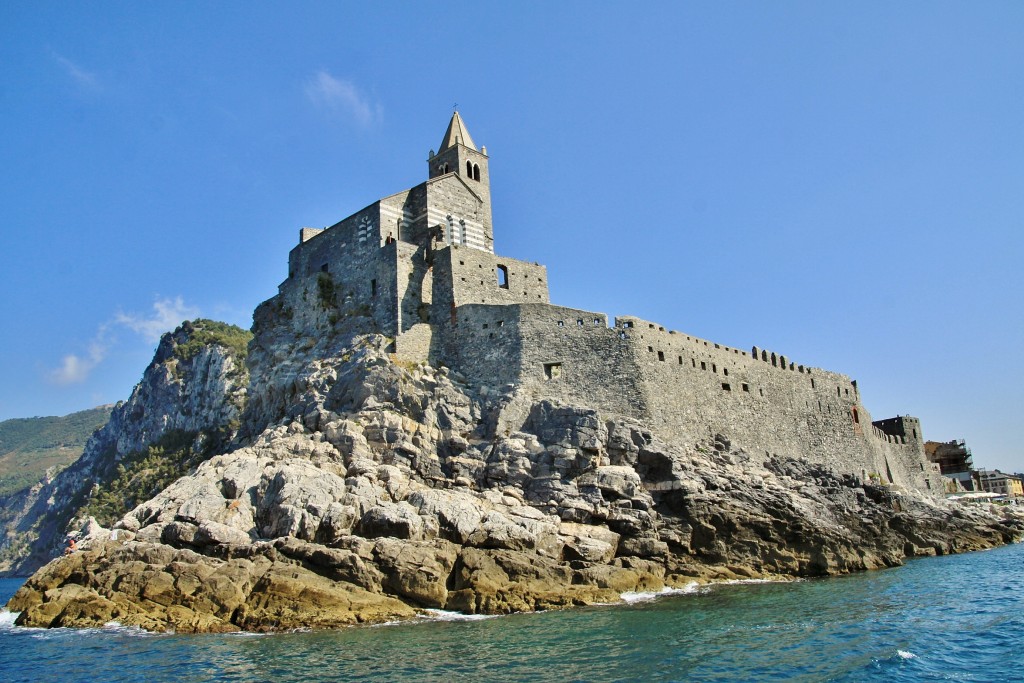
(194, 389)
(367, 488)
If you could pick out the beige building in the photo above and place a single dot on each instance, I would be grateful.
(994, 481)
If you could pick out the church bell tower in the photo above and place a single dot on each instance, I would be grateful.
(458, 154)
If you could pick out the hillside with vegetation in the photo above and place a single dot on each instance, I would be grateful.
(31, 446)
(186, 407)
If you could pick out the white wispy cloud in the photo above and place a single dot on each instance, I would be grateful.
(83, 78)
(338, 95)
(75, 368)
(167, 314)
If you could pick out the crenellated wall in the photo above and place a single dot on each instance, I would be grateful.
(689, 389)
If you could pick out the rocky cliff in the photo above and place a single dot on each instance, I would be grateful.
(363, 489)
(188, 403)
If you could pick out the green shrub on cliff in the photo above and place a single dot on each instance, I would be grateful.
(327, 290)
(143, 474)
(206, 332)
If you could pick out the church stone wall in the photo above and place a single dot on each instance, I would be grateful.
(475, 277)
(344, 245)
(463, 200)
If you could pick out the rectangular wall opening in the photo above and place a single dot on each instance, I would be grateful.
(552, 370)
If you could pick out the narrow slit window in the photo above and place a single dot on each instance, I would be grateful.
(503, 277)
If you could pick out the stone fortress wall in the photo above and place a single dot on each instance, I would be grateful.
(421, 263)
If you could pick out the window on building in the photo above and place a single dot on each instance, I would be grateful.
(746, 387)
(503, 277)
(373, 288)
(476, 172)
(323, 268)
(661, 355)
(552, 370)
(726, 387)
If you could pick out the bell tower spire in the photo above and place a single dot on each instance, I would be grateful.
(460, 156)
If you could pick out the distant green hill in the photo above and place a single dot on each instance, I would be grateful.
(30, 446)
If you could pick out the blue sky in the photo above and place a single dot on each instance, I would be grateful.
(842, 183)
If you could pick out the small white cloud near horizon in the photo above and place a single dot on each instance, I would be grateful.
(167, 314)
(84, 79)
(75, 369)
(340, 95)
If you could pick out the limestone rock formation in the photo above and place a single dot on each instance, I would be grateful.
(366, 489)
(193, 392)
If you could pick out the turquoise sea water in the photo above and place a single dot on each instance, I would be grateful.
(957, 618)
